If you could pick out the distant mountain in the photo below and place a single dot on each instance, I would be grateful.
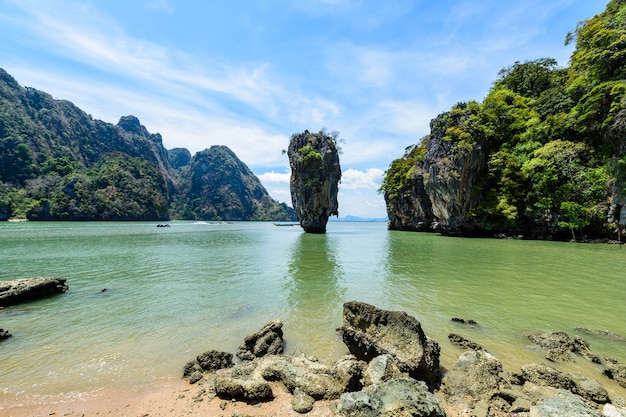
(57, 163)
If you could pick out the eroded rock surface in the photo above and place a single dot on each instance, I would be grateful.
(369, 332)
(28, 289)
(315, 175)
(267, 341)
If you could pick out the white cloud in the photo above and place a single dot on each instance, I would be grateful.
(369, 179)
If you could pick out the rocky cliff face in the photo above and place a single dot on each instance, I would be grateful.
(435, 184)
(315, 175)
(58, 163)
(216, 185)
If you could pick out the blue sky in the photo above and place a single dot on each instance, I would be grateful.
(249, 73)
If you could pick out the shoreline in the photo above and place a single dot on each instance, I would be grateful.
(161, 399)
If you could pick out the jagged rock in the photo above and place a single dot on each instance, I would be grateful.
(463, 343)
(250, 390)
(464, 321)
(604, 333)
(302, 402)
(441, 191)
(565, 404)
(4, 334)
(209, 361)
(548, 376)
(244, 382)
(27, 289)
(214, 360)
(369, 332)
(381, 369)
(475, 376)
(581, 346)
(615, 371)
(315, 175)
(267, 341)
(309, 375)
(559, 345)
(395, 397)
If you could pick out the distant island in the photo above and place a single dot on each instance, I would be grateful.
(57, 163)
(542, 156)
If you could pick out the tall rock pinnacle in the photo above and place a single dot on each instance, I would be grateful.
(315, 175)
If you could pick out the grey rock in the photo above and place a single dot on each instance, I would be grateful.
(302, 402)
(209, 361)
(559, 345)
(475, 375)
(615, 371)
(565, 404)
(4, 334)
(315, 175)
(547, 376)
(463, 343)
(28, 289)
(320, 381)
(267, 341)
(611, 410)
(213, 360)
(381, 369)
(369, 332)
(244, 383)
(581, 346)
(591, 390)
(396, 397)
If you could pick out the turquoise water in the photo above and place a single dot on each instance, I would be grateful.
(172, 293)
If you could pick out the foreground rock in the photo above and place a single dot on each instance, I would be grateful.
(391, 373)
(395, 397)
(369, 332)
(267, 341)
(28, 289)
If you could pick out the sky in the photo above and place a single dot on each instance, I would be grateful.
(250, 73)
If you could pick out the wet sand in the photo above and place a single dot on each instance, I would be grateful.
(170, 399)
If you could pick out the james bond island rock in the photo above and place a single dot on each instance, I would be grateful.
(28, 289)
(369, 332)
(315, 175)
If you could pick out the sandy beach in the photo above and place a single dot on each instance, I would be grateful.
(169, 399)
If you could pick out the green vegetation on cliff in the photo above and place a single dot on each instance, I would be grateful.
(57, 163)
(543, 154)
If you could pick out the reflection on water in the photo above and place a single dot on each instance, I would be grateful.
(314, 292)
(175, 292)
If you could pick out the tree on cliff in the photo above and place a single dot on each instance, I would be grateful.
(544, 152)
(315, 175)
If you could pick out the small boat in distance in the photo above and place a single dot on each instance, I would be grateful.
(163, 225)
(287, 224)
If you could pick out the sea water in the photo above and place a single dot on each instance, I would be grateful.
(143, 300)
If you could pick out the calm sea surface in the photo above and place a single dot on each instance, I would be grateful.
(172, 293)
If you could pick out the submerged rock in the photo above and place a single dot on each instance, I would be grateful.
(315, 175)
(4, 334)
(28, 289)
(369, 332)
(559, 345)
(463, 343)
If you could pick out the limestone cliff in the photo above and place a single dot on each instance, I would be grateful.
(315, 175)
(432, 187)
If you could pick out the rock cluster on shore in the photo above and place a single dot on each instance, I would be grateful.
(393, 370)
